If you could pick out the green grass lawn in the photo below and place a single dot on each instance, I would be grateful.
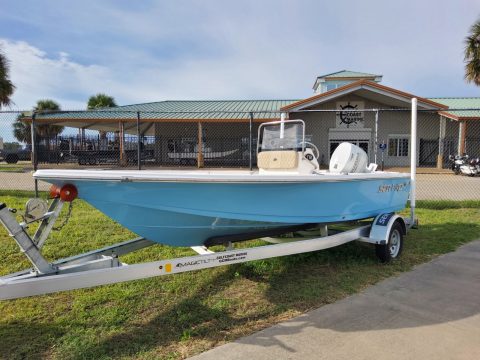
(11, 168)
(19, 166)
(177, 316)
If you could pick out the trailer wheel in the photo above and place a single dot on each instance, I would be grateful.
(393, 248)
(11, 158)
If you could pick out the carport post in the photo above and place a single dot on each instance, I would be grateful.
(413, 161)
(441, 141)
(200, 158)
(462, 130)
(139, 160)
(250, 143)
(375, 149)
(123, 159)
(34, 149)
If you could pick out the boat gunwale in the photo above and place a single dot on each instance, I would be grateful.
(208, 177)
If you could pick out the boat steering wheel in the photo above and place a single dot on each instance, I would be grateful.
(314, 148)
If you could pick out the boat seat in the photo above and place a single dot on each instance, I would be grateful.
(276, 160)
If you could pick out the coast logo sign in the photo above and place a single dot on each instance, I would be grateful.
(349, 115)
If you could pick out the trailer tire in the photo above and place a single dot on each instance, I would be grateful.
(393, 248)
(11, 158)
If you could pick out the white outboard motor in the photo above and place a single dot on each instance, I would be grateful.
(349, 158)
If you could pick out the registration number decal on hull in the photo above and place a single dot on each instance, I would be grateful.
(393, 187)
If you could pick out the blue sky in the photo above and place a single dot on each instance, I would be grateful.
(142, 51)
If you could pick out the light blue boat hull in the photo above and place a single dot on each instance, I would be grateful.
(189, 213)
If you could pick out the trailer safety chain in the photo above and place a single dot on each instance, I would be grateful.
(65, 220)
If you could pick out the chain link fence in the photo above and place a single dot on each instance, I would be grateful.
(118, 139)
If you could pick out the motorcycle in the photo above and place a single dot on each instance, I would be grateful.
(462, 165)
(476, 164)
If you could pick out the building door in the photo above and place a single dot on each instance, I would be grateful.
(428, 152)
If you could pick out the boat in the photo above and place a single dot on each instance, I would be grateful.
(188, 150)
(207, 207)
(288, 202)
(208, 154)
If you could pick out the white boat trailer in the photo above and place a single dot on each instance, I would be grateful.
(102, 266)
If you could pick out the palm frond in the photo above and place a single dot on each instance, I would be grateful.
(472, 54)
(6, 86)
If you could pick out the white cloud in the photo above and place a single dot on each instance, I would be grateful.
(38, 76)
(240, 74)
(249, 49)
(210, 49)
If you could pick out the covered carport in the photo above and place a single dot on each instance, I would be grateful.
(468, 129)
(152, 119)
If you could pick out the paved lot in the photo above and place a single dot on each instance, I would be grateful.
(432, 312)
(19, 181)
(445, 186)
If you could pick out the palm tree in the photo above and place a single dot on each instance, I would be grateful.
(472, 54)
(22, 130)
(46, 130)
(6, 86)
(100, 100)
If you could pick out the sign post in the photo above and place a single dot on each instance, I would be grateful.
(382, 147)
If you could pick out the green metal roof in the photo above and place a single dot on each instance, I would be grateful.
(349, 74)
(224, 109)
(181, 109)
(457, 104)
(206, 107)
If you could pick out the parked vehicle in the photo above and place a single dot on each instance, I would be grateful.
(287, 164)
(462, 165)
(13, 156)
(476, 163)
(94, 157)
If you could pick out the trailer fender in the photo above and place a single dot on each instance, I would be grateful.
(382, 225)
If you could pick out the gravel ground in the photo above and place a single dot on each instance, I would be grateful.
(443, 186)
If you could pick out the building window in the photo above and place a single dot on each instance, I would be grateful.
(334, 85)
(329, 87)
(398, 145)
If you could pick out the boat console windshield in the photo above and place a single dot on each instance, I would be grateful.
(282, 148)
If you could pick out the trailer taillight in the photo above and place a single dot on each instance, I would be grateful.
(68, 192)
(54, 192)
